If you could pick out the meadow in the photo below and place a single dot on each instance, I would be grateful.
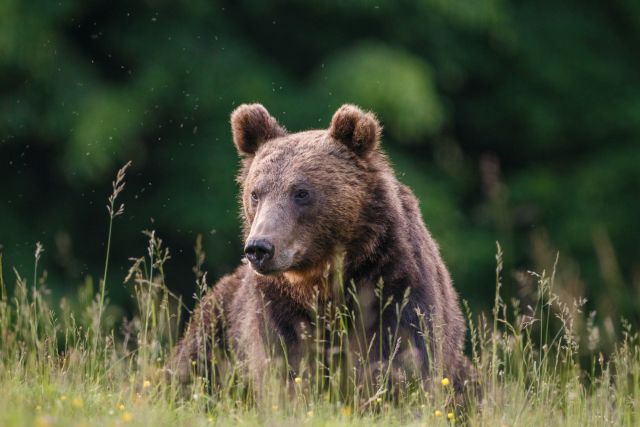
(75, 362)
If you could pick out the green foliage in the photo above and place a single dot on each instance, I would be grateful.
(397, 85)
(512, 121)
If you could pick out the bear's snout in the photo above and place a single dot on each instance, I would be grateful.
(259, 252)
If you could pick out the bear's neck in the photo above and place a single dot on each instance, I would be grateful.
(390, 241)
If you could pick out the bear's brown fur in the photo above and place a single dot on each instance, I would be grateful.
(313, 203)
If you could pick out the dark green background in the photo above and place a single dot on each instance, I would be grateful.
(512, 121)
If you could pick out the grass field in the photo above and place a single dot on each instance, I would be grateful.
(74, 364)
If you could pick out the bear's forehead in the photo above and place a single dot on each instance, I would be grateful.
(301, 144)
(301, 155)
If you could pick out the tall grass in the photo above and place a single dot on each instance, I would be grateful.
(73, 364)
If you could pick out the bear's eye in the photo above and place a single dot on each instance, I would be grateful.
(301, 195)
(254, 196)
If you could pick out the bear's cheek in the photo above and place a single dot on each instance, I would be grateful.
(316, 240)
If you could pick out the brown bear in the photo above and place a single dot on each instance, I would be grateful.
(327, 223)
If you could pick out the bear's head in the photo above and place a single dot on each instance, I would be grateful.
(302, 193)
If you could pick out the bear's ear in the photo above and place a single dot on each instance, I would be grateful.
(357, 129)
(252, 125)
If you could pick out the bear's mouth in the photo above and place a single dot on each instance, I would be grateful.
(271, 270)
(267, 269)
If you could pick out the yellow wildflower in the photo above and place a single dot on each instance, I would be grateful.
(451, 416)
(445, 382)
(437, 413)
(146, 384)
(127, 417)
(77, 402)
(298, 380)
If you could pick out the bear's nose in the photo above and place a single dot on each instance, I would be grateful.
(258, 251)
